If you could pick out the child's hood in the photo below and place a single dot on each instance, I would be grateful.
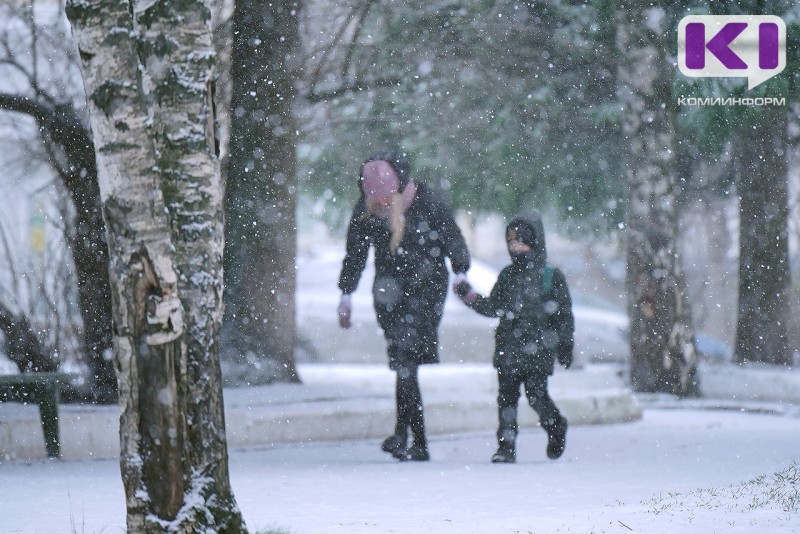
(529, 229)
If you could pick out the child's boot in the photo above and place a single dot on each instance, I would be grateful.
(506, 436)
(556, 438)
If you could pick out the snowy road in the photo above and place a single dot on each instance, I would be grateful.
(638, 477)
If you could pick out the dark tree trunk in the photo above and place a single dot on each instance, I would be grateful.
(764, 276)
(69, 145)
(260, 230)
(661, 334)
(89, 249)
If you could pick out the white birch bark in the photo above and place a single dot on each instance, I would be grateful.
(148, 83)
(178, 67)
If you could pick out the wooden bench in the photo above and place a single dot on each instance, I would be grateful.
(42, 389)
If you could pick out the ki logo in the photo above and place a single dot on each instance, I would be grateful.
(746, 46)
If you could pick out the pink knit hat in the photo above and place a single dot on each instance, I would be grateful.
(379, 180)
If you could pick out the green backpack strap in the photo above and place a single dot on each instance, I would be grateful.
(547, 279)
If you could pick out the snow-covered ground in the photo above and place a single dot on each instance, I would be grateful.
(675, 471)
(685, 467)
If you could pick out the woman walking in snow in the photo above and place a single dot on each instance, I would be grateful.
(412, 232)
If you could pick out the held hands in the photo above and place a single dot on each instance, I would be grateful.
(464, 291)
(345, 310)
(565, 358)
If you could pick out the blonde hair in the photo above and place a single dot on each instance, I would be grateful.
(397, 222)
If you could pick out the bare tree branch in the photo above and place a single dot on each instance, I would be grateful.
(50, 97)
(359, 25)
(9, 254)
(25, 105)
(320, 96)
(356, 13)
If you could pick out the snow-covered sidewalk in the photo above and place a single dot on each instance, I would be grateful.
(672, 471)
(334, 402)
(356, 401)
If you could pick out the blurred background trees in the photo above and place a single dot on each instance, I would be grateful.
(502, 106)
(42, 84)
(663, 354)
(508, 105)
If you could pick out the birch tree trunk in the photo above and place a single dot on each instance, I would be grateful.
(764, 276)
(661, 334)
(147, 68)
(260, 199)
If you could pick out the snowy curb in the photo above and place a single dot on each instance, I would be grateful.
(353, 419)
(85, 432)
(752, 382)
(335, 402)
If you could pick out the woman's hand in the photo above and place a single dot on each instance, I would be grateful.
(345, 310)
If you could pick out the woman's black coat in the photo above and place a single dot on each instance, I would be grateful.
(410, 286)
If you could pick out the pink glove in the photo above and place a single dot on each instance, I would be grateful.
(345, 310)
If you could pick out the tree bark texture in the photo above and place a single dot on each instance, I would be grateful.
(148, 71)
(260, 199)
(663, 355)
(761, 167)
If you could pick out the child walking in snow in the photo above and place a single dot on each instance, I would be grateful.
(536, 327)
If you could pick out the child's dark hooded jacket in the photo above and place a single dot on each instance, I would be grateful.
(534, 306)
